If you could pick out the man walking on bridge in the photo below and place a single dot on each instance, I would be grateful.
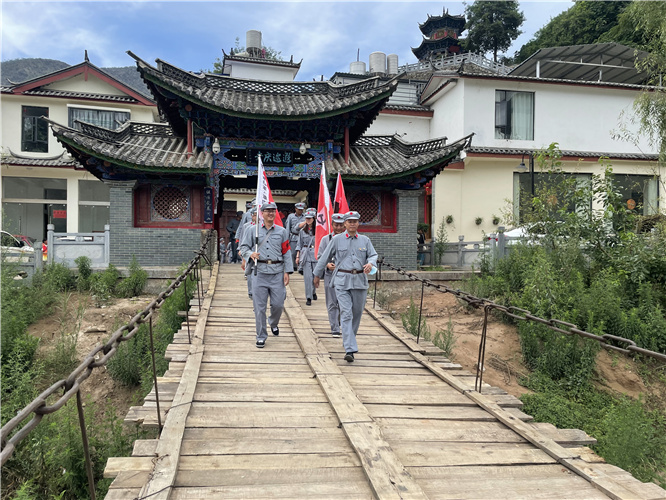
(272, 259)
(294, 224)
(354, 258)
(338, 226)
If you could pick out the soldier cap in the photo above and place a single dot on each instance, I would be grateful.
(268, 206)
(300, 206)
(338, 218)
(352, 215)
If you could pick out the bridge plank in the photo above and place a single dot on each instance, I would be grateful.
(168, 447)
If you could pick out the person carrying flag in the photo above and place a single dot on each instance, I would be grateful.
(305, 256)
(338, 226)
(354, 258)
(269, 248)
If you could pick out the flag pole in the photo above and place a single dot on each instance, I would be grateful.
(256, 226)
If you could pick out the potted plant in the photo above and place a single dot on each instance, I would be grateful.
(496, 220)
(478, 221)
(449, 219)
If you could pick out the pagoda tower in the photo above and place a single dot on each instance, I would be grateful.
(440, 36)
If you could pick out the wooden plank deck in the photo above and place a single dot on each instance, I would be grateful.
(294, 420)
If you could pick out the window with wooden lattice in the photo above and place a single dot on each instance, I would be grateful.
(160, 205)
(377, 210)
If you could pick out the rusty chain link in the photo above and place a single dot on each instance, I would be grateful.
(38, 407)
(606, 341)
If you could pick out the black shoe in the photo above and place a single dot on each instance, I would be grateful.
(335, 335)
(262, 343)
(308, 302)
(276, 331)
(349, 357)
(249, 295)
(300, 271)
(314, 296)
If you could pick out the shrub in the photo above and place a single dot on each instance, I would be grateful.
(103, 285)
(445, 340)
(440, 242)
(85, 270)
(134, 283)
(59, 277)
(410, 320)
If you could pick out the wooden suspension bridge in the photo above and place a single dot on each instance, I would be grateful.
(294, 420)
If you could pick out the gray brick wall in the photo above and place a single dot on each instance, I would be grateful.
(400, 248)
(151, 246)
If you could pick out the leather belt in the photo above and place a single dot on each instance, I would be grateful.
(352, 271)
(269, 261)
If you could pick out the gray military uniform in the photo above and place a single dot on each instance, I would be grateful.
(351, 289)
(249, 227)
(292, 229)
(274, 261)
(331, 299)
(306, 259)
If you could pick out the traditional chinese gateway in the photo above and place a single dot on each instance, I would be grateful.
(168, 180)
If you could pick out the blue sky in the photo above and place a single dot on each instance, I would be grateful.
(326, 35)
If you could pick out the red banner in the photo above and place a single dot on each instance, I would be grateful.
(60, 214)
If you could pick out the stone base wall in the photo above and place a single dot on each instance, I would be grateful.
(151, 246)
(400, 248)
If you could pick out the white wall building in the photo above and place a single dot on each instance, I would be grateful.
(39, 182)
(576, 101)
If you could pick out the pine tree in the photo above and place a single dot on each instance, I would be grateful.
(492, 26)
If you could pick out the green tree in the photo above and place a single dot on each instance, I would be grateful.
(584, 22)
(649, 19)
(492, 26)
(268, 53)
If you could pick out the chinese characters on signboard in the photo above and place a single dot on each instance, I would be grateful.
(208, 205)
(270, 157)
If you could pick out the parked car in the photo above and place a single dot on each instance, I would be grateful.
(26, 240)
(13, 249)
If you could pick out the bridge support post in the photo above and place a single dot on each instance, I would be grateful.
(86, 450)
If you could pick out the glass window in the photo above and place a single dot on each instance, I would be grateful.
(102, 118)
(34, 188)
(35, 133)
(548, 184)
(639, 192)
(514, 115)
(93, 218)
(93, 191)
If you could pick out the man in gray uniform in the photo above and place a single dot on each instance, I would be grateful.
(272, 259)
(338, 226)
(354, 258)
(294, 224)
(247, 227)
(247, 217)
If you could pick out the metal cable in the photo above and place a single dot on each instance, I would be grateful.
(70, 385)
(606, 341)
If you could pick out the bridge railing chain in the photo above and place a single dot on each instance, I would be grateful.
(70, 386)
(606, 341)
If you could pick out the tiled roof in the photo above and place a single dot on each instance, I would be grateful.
(404, 107)
(148, 145)
(576, 154)
(259, 60)
(80, 95)
(385, 157)
(272, 100)
(61, 160)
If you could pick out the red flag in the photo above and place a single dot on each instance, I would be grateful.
(341, 206)
(323, 211)
(278, 218)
